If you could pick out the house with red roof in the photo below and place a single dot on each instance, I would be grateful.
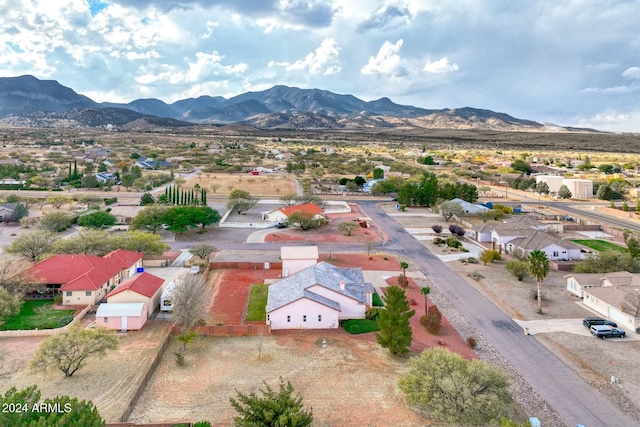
(139, 288)
(282, 214)
(129, 261)
(82, 279)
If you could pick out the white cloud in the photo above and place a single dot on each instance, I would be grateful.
(440, 66)
(602, 66)
(387, 61)
(206, 66)
(324, 60)
(632, 73)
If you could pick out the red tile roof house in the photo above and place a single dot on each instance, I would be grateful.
(282, 214)
(83, 279)
(140, 288)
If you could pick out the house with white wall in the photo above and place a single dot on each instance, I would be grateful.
(140, 288)
(296, 258)
(318, 297)
(282, 214)
(617, 299)
(556, 249)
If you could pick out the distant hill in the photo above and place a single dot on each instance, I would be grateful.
(29, 101)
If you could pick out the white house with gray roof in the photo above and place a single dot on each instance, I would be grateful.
(318, 297)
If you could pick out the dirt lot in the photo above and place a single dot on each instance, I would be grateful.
(269, 185)
(109, 383)
(349, 383)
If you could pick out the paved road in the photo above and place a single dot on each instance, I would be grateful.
(572, 397)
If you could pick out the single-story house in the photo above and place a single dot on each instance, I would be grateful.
(122, 317)
(296, 258)
(618, 299)
(578, 282)
(149, 163)
(83, 279)
(144, 287)
(318, 297)
(555, 248)
(104, 177)
(282, 214)
(470, 208)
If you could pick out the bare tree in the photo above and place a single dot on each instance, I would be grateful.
(7, 367)
(189, 298)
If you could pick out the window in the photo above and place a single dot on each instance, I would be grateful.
(88, 293)
(304, 318)
(268, 318)
(555, 253)
(319, 317)
(105, 319)
(69, 293)
(288, 319)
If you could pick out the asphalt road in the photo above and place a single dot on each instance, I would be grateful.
(572, 397)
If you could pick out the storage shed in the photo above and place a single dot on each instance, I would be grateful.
(122, 316)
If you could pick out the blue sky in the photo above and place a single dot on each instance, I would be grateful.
(570, 62)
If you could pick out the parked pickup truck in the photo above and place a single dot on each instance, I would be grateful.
(590, 321)
(605, 331)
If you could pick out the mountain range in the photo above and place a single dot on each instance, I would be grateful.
(28, 101)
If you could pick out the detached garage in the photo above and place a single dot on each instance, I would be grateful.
(122, 317)
(143, 287)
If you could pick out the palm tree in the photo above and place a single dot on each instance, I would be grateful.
(425, 291)
(539, 267)
(404, 266)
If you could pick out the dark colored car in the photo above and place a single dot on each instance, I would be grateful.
(605, 331)
(590, 321)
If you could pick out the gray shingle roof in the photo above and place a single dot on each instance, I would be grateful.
(295, 287)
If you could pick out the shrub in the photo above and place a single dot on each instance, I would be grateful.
(202, 424)
(533, 294)
(432, 322)
(471, 341)
(372, 313)
(437, 228)
(377, 302)
(472, 260)
(360, 326)
(57, 299)
(489, 255)
(403, 282)
(438, 241)
(64, 321)
(476, 275)
(519, 269)
(110, 200)
(179, 358)
(452, 242)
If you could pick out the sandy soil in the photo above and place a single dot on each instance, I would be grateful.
(270, 185)
(109, 382)
(348, 383)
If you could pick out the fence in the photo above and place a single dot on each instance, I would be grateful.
(143, 385)
(45, 332)
(247, 265)
(229, 330)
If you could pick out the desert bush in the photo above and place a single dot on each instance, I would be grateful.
(403, 282)
(452, 242)
(202, 424)
(519, 269)
(475, 275)
(533, 294)
(437, 228)
(57, 299)
(471, 341)
(438, 241)
(489, 255)
(179, 357)
(432, 321)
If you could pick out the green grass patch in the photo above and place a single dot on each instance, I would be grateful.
(601, 245)
(360, 326)
(257, 303)
(38, 314)
(377, 302)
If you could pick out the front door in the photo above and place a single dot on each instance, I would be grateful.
(124, 323)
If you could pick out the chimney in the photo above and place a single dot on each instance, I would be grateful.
(342, 285)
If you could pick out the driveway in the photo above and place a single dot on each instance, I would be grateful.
(571, 326)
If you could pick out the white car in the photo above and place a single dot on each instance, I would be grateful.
(194, 269)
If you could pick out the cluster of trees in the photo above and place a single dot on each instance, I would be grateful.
(177, 219)
(610, 261)
(36, 244)
(174, 195)
(427, 192)
(241, 201)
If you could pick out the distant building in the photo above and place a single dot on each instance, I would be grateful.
(580, 188)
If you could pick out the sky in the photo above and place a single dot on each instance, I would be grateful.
(568, 62)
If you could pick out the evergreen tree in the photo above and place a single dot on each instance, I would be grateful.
(272, 408)
(395, 329)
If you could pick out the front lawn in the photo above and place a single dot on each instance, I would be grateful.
(360, 326)
(37, 314)
(377, 302)
(257, 303)
(600, 245)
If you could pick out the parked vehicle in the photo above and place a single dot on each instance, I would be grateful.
(195, 269)
(589, 321)
(605, 331)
